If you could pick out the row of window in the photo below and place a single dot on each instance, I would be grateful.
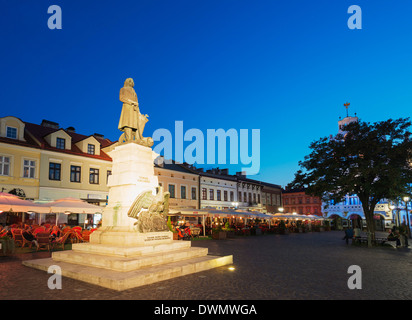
(29, 170)
(29, 167)
(61, 144)
(226, 195)
(183, 192)
(11, 132)
(271, 199)
(247, 197)
(348, 201)
(242, 197)
(303, 210)
(299, 200)
(75, 173)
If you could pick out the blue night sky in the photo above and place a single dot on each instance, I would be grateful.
(284, 67)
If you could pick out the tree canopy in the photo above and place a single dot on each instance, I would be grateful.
(372, 161)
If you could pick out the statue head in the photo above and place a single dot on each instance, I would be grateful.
(129, 82)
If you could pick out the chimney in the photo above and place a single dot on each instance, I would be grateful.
(241, 174)
(224, 172)
(71, 129)
(49, 124)
(160, 161)
(98, 135)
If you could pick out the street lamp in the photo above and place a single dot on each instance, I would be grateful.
(406, 199)
(281, 209)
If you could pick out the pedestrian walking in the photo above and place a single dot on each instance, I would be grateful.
(348, 235)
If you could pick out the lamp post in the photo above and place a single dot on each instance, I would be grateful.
(406, 199)
(398, 222)
(392, 207)
(235, 204)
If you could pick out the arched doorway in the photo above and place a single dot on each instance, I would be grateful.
(356, 220)
(379, 222)
(336, 223)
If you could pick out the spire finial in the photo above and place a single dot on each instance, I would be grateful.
(347, 104)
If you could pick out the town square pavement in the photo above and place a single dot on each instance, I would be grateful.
(269, 267)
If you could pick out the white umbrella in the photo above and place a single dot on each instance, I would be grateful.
(71, 205)
(312, 217)
(11, 202)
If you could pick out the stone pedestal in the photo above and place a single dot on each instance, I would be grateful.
(132, 174)
(118, 257)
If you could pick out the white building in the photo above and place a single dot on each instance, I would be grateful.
(349, 211)
(217, 189)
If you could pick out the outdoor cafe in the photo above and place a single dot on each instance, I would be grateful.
(239, 222)
(185, 223)
(40, 232)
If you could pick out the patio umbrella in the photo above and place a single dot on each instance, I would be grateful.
(71, 205)
(11, 202)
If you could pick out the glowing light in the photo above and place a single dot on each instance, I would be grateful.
(231, 269)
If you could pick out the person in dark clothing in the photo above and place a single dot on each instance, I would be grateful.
(56, 233)
(348, 235)
(28, 235)
(393, 236)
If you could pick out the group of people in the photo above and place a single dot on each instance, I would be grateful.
(352, 234)
(29, 233)
(394, 235)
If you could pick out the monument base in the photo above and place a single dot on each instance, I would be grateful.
(121, 267)
(126, 237)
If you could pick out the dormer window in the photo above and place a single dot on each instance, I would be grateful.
(60, 143)
(91, 148)
(11, 133)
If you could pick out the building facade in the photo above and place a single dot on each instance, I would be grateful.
(19, 160)
(217, 189)
(298, 201)
(45, 163)
(182, 184)
(271, 197)
(249, 193)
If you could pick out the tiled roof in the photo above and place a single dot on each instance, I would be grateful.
(175, 167)
(35, 134)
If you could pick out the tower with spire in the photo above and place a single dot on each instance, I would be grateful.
(348, 119)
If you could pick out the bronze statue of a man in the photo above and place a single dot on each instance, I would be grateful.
(132, 122)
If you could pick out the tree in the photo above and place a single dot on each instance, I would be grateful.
(372, 161)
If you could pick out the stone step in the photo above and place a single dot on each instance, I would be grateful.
(126, 280)
(129, 251)
(125, 264)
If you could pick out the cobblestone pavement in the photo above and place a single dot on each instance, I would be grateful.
(294, 266)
